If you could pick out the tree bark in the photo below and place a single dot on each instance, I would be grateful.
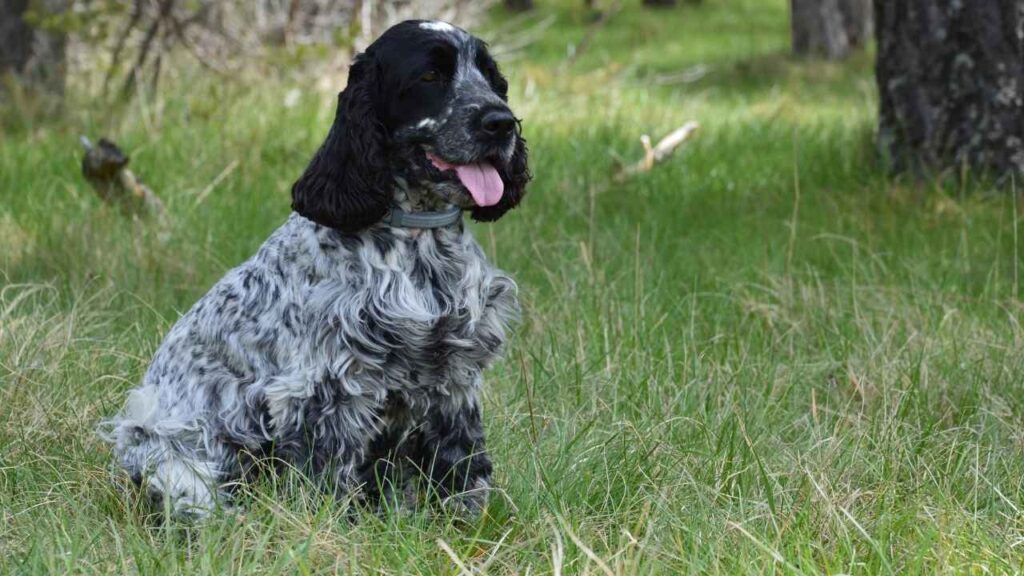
(830, 29)
(33, 56)
(859, 20)
(951, 85)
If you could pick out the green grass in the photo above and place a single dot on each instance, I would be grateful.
(765, 356)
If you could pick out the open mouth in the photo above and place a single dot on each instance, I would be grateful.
(481, 179)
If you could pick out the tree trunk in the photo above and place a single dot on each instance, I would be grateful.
(33, 56)
(519, 5)
(859, 20)
(951, 84)
(830, 28)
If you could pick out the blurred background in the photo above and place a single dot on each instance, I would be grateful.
(770, 269)
(100, 49)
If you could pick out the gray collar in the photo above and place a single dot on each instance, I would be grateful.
(402, 219)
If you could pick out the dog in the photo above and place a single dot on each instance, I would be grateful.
(352, 346)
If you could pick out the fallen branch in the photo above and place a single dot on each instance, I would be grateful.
(105, 167)
(654, 155)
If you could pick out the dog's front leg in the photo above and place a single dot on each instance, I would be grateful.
(453, 454)
(330, 442)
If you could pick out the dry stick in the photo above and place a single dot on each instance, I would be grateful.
(591, 32)
(654, 155)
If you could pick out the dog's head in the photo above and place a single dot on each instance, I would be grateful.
(426, 104)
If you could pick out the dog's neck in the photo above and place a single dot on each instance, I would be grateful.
(415, 208)
(416, 198)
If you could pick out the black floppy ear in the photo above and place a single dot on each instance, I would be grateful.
(347, 184)
(515, 176)
(489, 68)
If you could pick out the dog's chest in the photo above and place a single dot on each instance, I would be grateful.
(424, 311)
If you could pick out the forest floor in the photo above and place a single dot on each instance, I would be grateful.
(765, 356)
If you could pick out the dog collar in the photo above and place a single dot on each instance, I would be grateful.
(402, 219)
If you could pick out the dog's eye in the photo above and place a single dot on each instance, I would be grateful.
(431, 76)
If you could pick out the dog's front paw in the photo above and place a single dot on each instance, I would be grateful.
(471, 502)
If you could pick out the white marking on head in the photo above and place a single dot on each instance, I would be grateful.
(437, 26)
(427, 123)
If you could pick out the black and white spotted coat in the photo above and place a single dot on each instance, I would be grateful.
(344, 355)
(347, 348)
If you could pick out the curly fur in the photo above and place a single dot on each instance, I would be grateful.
(347, 348)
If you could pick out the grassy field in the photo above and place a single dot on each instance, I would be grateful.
(764, 357)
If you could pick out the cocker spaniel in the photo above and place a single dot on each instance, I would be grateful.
(352, 345)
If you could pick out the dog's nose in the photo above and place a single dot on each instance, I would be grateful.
(498, 122)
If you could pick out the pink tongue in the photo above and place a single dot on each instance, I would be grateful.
(481, 179)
